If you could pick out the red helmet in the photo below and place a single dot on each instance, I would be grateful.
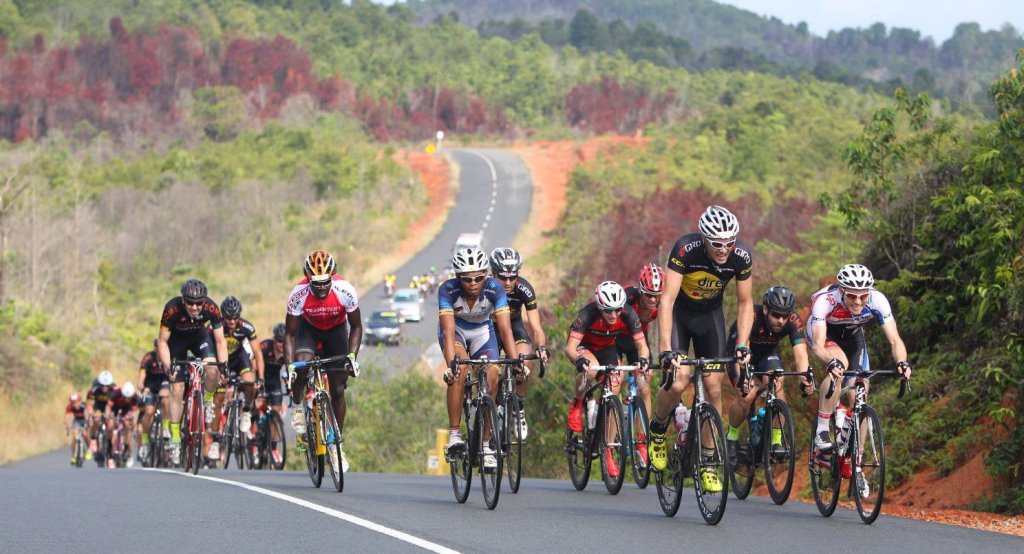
(75, 397)
(652, 279)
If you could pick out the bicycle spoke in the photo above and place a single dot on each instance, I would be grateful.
(778, 454)
(711, 466)
(868, 465)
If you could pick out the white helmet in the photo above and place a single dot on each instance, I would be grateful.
(128, 389)
(467, 260)
(105, 378)
(610, 296)
(855, 276)
(718, 223)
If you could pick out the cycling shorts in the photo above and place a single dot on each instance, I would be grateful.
(627, 347)
(273, 386)
(239, 363)
(519, 332)
(156, 383)
(605, 356)
(200, 344)
(478, 341)
(854, 346)
(334, 341)
(706, 330)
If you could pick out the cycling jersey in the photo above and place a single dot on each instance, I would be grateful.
(120, 404)
(764, 344)
(326, 313)
(595, 334)
(633, 299)
(522, 295)
(244, 331)
(78, 412)
(150, 363)
(273, 365)
(704, 281)
(98, 396)
(176, 319)
(474, 327)
(827, 308)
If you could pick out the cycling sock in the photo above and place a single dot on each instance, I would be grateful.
(822, 422)
(455, 432)
(145, 438)
(175, 432)
(166, 425)
(659, 426)
(208, 397)
(733, 434)
(776, 436)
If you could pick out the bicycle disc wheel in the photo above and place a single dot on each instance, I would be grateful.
(577, 450)
(669, 482)
(459, 464)
(227, 436)
(613, 444)
(743, 470)
(490, 478)
(332, 440)
(276, 446)
(710, 466)
(824, 475)
(868, 465)
(512, 446)
(779, 457)
(314, 462)
(637, 431)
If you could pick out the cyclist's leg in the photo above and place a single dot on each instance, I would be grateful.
(827, 405)
(668, 398)
(335, 343)
(524, 347)
(709, 342)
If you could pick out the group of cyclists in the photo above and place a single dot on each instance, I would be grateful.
(488, 308)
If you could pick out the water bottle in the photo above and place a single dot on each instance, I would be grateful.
(591, 413)
(756, 425)
(682, 415)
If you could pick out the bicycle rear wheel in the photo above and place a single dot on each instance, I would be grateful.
(156, 442)
(490, 478)
(314, 461)
(227, 435)
(577, 450)
(745, 466)
(613, 444)
(710, 465)
(276, 450)
(868, 453)
(825, 481)
(331, 435)
(637, 432)
(101, 446)
(459, 464)
(512, 445)
(779, 456)
(669, 482)
(196, 428)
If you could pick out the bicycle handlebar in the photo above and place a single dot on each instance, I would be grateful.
(321, 362)
(808, 375)
(608, 368)
(904, 382)
(202, 363)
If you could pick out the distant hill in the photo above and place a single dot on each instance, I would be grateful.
(722, 36)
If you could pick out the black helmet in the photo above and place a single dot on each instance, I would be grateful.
(231, 308)
(193, 290)
(779, 299)
(279, 331)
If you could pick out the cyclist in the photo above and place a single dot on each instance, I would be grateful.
(773, 320)
(473, 317)
(592, 341)
(273, 361)
(835, 331)
(155, 386)
(318, 309)
(123, 402)
(240, 336)
(74, 420)
(190, 323)
(644, 298)
(505, 266)
(700, 265)
(99, 393)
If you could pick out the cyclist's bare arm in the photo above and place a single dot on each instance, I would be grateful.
(800, 357)
(536, 329)
(570, 348)
(673, 281)
(220, 344)
(355, 333)
(818, 345)
(447, 322)
(899, 350)
(291, 327)
(162, 350)
(503, 321)
(745, 310)
(257, 360)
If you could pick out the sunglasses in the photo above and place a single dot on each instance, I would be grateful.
(190, 303)
(476, 279)
(861, 297)
(778, 315)
(321, 284)
(231, 319)
(611, 310)
(507, 277)
(719, 244)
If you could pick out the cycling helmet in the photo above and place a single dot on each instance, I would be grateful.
(231, 308)
(610, 296)
(779, 299)
(105, 378)
(319, 266)
(471, 259)
(718, 223)
(193, 291)
(855, 276)
(75, 397)
(652, 279)
(279, 331)
(505, 260)
(128, 389)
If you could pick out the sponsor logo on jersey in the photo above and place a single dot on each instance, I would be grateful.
(690, 246)
(701, 285)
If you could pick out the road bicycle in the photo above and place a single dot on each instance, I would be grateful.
(268, 445)
(606, 438)
(637, 433)
(119, 442)
(698, 449)
(193, 422)
(323, 440)
(772, 445)
(479, 420)
(157, 455)
(231, 438)
(858, 452)
(509, 410)
(80, 444)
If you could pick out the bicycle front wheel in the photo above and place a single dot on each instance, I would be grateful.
(314, 461)
(228, 427)
(490, 477)
(637, 432)
(669, 482)
(868, 453)
(512, 444)
(613, 444)
(744, 464)
(276, 447)
(156, 442)
(823, 468)
(331, 435)
(710, 465)
(79, 449)
(779, 451)
(459, 464)
(196, 428)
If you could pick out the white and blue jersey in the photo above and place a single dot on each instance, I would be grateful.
(474, 326)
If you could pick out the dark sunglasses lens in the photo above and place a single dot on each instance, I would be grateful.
(777, 315)
(476, 279)
(611, 310)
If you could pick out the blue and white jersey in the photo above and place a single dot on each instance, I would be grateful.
(492, 300)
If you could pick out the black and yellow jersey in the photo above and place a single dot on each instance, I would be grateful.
(704, 281)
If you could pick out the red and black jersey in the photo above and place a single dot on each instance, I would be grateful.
(121, 404)
(79, 411)
(595, 333)
(150, 363)
(176, 319)
(270, 357)
(633, 299)
(764, 342)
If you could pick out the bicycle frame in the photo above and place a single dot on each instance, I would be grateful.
(195, 430)
(322, 429)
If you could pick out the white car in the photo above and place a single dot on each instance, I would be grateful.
(468, 240)
(407, 303)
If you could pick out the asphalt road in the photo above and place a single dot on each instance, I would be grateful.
(48, 506)
(494, 198)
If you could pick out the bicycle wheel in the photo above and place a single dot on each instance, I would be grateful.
(613, 444)
(314, 461)
(577, 450)
(331, 435)
(459, 464)
(243, 453)
(101, 446)
(825, 481)
(637, 432)
(490, 478)
(710, 465)
(669, 482)
(745, 466)
(512, 446)
(868, 451)
(226, 439)
(276, 447)
(79, 449)
(779, 452)
(196, 428)
(156, 443)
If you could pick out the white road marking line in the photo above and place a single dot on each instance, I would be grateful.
(494, 185)
(394, 533)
